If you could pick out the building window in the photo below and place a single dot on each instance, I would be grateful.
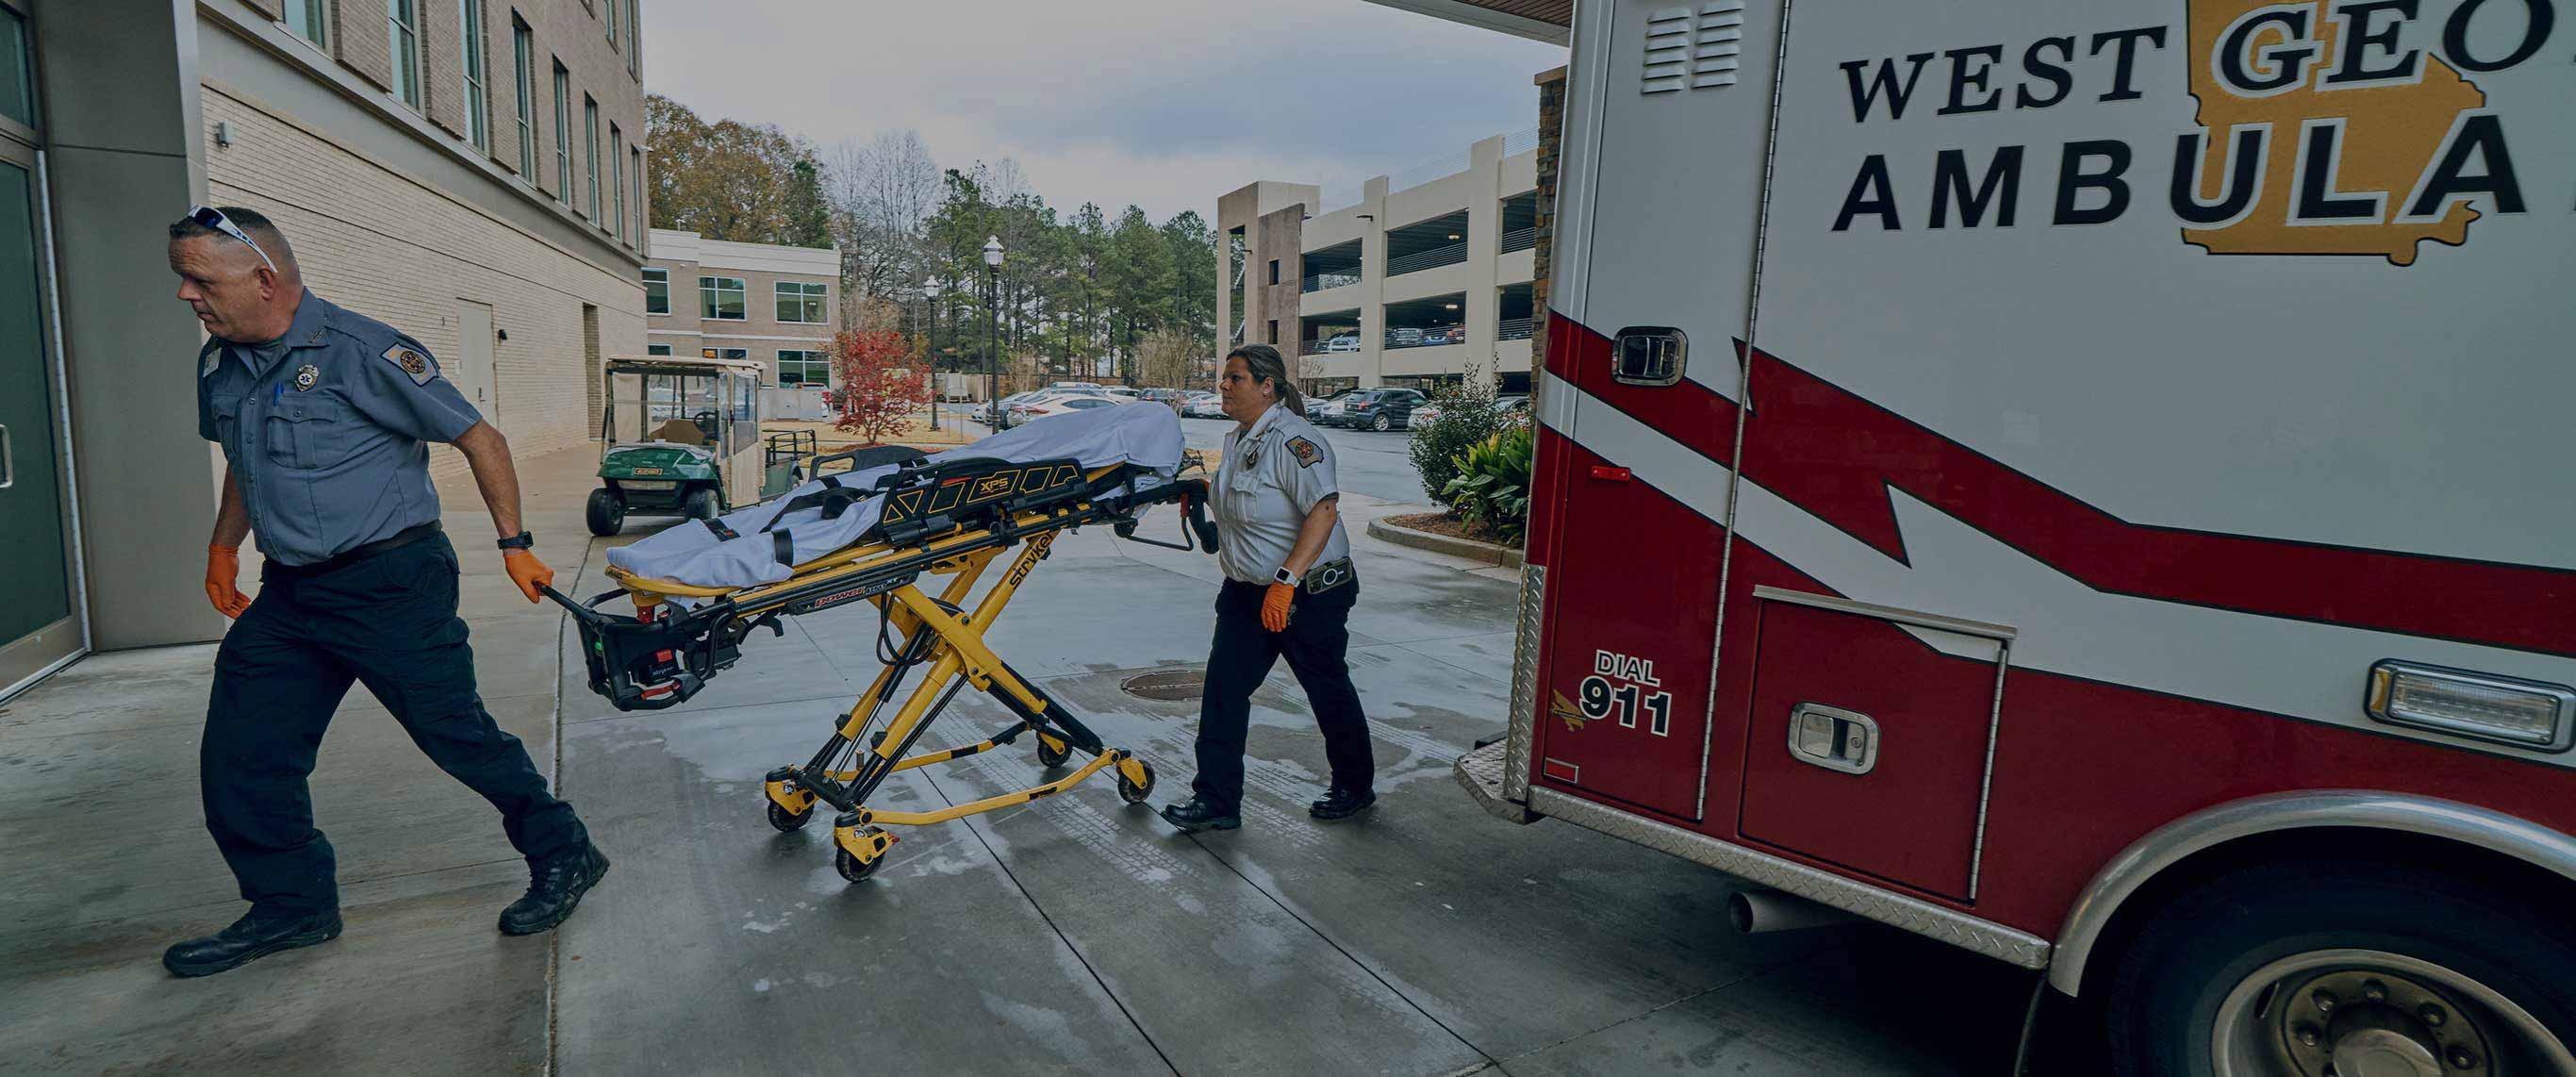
(657, 291)
(800, 302)
(804, 368)
(617, 180)
(1274, 322)
(478, 77)
(563, 134)
(17, 71)
(590, 136)
(609, 11)
(402, 21)
(1274, 271)
(634, 37)
(720, 298)
(724, 353)
(635, 175)
(523, 74)
(310, 20)
(657, 349)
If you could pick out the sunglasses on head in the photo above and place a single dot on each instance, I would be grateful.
(215, 219)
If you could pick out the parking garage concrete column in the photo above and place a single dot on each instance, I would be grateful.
(1372, 372)
(124, 157)
(1484, 242)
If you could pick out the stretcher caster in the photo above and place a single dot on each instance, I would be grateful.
(788, 822)
(1134, 791)
(790, 808)
(858, 851)
(1053, 752)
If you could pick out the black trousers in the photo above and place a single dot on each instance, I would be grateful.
(389, 622)
(1317, 645)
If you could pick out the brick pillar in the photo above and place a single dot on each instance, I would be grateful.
(1551, 131)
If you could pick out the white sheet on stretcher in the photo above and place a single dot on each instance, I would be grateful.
(688, 552)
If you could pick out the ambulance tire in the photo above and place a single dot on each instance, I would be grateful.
(700, 504)
(2465, 937)
(605, 513)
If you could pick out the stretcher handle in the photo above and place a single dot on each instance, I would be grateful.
(1194, 521)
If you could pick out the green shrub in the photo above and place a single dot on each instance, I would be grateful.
(1492, 486)
(1467, 419)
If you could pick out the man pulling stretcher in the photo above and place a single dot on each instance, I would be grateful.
(869, 535)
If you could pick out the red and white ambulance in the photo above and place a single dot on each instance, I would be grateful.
(2090, 481)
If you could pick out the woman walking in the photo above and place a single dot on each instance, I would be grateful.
(1288, 591)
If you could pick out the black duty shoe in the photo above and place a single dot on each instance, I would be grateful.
(1341, 804)
(1196, 816)
(554, 891)
(248, 939)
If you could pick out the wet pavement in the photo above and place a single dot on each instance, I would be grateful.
(1073, 934)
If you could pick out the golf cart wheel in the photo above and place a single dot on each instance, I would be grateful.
(605, 513)
(1133, 792)
(1050, 754)
(1384, 423)
(2348, 967)
(788, 822)
(700, 504)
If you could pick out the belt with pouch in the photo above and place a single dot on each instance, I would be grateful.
(1324, 577)
(355, 554)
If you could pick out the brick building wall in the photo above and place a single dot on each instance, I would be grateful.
(387, 246)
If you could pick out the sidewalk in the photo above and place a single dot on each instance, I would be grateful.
(1071, 934)
(109, 862)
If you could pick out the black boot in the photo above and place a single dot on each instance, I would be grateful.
(250, 938)
(554, 891)
(1340, 803)
(1198, 815)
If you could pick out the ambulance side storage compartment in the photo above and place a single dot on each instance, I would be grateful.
(1870, 736)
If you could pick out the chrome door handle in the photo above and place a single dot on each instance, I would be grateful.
(8, 458)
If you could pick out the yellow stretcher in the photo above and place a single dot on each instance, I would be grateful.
(953, 520)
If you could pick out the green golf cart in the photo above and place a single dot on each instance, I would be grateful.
(681, 437)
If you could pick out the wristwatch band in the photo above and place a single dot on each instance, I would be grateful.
(1290, 578)
(521, 541)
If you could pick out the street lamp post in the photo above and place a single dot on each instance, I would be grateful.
(930, 350)
(992, 329)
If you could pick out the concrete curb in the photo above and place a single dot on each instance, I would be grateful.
(1400, 535)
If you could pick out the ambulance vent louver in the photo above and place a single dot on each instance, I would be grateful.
(1692, 50)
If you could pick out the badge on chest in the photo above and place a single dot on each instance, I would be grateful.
(306, 376)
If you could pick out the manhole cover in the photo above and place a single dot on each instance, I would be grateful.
(1177, 686)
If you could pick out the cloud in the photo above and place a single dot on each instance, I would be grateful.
(1163, 103)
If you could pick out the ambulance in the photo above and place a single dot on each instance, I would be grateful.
(2091, 482)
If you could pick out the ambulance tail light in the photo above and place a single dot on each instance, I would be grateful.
(2480, 706)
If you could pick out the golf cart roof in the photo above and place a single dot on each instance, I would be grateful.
(677, 364)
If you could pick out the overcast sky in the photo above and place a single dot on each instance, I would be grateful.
(1163, 103)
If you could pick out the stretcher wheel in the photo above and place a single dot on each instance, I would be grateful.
(1135, 793)
(788, 822)
(1049, 754)
(851, 868)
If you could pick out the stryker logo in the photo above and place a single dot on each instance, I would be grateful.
(2343, 126)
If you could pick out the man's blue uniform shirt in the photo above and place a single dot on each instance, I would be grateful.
(326, 430)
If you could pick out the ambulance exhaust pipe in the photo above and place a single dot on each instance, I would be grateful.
(1755, 912)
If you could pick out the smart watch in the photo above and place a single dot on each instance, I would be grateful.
(521, 541)
(1290, 578)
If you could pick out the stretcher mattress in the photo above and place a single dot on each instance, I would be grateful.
(699, 555)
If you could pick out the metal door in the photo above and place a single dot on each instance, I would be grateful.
(39, 624)
(474, 373)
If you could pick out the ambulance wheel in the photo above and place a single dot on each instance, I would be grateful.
(788, 822)
(1135, 793)
(2350, 967)
(1383, 424)
(605, 513)
(700, 504)
(850, 867)
(1053, 757)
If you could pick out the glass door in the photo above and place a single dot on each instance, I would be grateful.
(39, 623)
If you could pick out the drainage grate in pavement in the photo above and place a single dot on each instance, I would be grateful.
(1177, 686)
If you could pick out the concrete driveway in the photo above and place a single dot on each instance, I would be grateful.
(1075, 934)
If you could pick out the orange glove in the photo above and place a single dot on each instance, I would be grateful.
(1274, 607)
(528, 572)
(223, 566)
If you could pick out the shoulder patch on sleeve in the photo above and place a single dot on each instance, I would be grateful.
(1307, 451)
(413, 362)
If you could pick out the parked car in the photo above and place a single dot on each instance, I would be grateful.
(994, 411)
(1404, 336)
(1121, 391)
(1167, 397)
(1347, 342)
(1429, 412)
(1329, 411)
(1063, 405)
(1202, 404)
(1376, 409)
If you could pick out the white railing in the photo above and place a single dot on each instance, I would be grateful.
(1426, 338)
(1331, 278)
(1520, 239)
(1515, 329)
(1521, 141)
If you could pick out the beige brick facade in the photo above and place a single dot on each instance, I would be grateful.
(760, 267)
